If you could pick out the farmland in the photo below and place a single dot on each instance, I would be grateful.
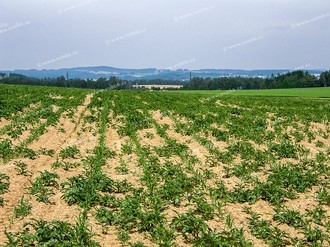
(125, 168)
(289, 92)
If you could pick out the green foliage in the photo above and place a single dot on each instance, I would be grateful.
(316, 215)
(293, 177)
(189, 225)
(24, 152)
(70, 152)
(272, 235)
(266, 191)
(244, 169)
(294, 79)
(137, 244)
(22, 209)
(6, 149)
(65, 165)
(203, 208)
(123, 236)
(80, 190)
(289, 217)
(104, 152)
(54, 233)
(21, 168)
(284, 150)
(323, 195)
(232, 237)
(105, 216)
(220, 192)
(171, 148)
(315, 237)
(43, 186)
(127, 148)
(83, 190)
(4, 183)
(4, 187)
(48, 152)
(122, 168)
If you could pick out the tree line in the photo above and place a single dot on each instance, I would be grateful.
(295, 79)
(101, 83)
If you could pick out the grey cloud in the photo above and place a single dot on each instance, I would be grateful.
(149, 33)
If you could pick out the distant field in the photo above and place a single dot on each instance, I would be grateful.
(292, 92)
(160, 86)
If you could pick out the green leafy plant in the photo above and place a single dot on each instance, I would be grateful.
(272, 235)
(54, 233)
(289, 217)
(323, 195)
(4, 183)
(315, 237)
(21, 168)
(69, 152)
(43, 186)
(22, 209)
(65, 165)
(190, 226)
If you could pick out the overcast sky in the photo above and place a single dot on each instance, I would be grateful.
(193, 34)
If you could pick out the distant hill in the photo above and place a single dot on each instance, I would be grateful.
(146, 74)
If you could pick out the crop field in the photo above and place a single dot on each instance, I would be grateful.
(125, 168)
(289, 92)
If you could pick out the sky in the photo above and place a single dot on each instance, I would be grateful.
(189, 34)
